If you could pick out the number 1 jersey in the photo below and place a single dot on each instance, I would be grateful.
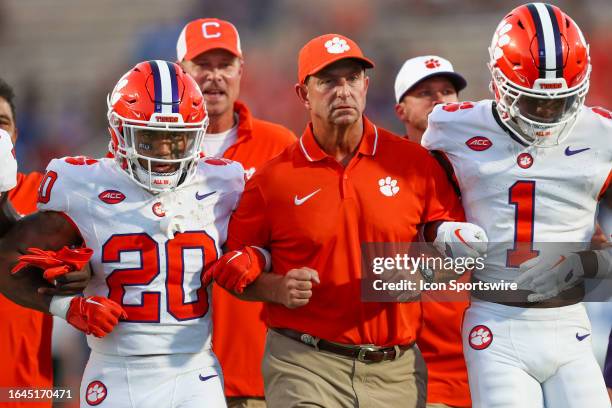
(150, 250)
(521, 195)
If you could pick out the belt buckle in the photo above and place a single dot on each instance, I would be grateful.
(363, 350)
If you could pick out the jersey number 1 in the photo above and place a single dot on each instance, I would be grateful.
(522, 196)
(148, 308)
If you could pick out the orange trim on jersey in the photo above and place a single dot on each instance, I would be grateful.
(605, 187)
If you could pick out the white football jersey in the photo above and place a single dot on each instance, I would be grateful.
(8, 164)
(523, 196)
(150, 250)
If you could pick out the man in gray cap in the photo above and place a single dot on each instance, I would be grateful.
(422, 83)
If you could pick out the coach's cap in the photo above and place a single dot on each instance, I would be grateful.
(207, 34)
(325, 50)
(417, 69)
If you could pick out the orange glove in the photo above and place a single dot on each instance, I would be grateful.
(94, 315)
(235, 270)
(55, 263)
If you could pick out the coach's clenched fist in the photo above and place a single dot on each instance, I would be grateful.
(295, 288)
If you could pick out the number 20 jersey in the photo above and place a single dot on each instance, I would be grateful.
(522, 195)
(150, 251)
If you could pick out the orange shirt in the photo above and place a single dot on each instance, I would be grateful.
(308, 210)
(441, 344)
(239, 332)
(25, 334)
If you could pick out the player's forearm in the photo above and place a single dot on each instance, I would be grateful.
(263, 289)
(22, 288)
(597, 264)
(8, 215)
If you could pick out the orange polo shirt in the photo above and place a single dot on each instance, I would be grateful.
(25, 334)
(441, 345)
(309, 210)
(239, 332)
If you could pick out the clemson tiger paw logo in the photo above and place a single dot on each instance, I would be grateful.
(95, 393)
(337, 45)
(524, 160)
(388, 186)
(480, 337)
(432, 63)
(500, 39)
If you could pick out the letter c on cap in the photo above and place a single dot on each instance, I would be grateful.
(208, 34)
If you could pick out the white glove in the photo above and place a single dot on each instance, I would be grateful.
(548, 277)
(8, 164)
(461, 240)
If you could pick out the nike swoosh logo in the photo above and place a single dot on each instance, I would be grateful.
(458, 235)
(238, 253)
(580, 338)
(300, 201)
(203, 196)
(208, 377)
(569, 152)
(93, 302)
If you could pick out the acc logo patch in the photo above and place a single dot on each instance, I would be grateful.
(479, 143)
(111, 196)
(96, 393)
(480, 337)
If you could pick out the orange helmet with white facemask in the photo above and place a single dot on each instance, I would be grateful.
(539, 61)
(157, 120)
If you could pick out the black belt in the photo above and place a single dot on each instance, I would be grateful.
(370, 354)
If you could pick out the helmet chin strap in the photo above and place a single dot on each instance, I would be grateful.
(528, 132)
(159, 181)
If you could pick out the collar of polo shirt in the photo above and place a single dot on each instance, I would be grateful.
(313, 152)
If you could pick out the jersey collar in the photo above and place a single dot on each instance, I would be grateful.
(245, 119)
(313, 152)
(504, 126)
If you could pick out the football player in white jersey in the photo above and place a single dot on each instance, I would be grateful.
(155, 216)
(532, 166)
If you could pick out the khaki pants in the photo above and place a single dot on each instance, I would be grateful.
(239, 402)
(297, 375)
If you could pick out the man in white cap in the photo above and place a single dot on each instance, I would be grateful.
(209, 50)
(422, 83)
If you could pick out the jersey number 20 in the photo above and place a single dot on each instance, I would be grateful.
(148, 309)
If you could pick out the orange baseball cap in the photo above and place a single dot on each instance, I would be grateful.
(207, 34)
(325, 50)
